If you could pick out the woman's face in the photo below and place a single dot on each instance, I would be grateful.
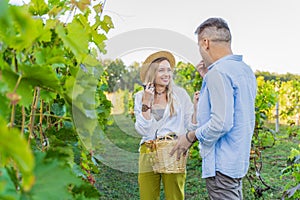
(163, 74)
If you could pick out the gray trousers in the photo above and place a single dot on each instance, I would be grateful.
(222, 187)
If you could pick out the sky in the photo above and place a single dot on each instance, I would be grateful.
(265, 32)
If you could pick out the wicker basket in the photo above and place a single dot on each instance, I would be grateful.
(162, 161)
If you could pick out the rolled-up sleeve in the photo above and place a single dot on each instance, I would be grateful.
(142, 125)
(222, 109)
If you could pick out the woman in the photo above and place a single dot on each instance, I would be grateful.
(160, 109)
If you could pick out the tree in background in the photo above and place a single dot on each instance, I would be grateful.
(120, 76)
(115, 71)
(276, 76)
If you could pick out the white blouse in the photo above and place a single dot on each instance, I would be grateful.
(178, 123)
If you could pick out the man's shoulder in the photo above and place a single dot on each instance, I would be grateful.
(233, 68)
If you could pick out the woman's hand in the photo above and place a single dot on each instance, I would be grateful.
(148, 93)
(196, 99)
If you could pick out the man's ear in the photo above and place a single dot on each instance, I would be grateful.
(205, 43)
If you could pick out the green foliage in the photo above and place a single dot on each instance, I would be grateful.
(7, 187)
(130, 108)
(289, 98)
(292, 190)
(131, 77)
(45, 184)
(186, 76)
(104, 106)
(14, 146)
(265, 101)
(268, 76)
(49, 72)
(115, 72)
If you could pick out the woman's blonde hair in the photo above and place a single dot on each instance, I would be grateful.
(150, 77)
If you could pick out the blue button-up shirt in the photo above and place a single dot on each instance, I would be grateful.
(226, 117)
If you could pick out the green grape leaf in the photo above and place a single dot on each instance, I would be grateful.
(91, 61)
(52, 180)
(4, 103)
(99, 41)
(24, 30)
(83, 4)
(49, 55)
(50, 24)
(45, 36)
(76, 39)
(42, 76)
(4, 106)
(38, 7)
(5, 20)
(7, 187)
(58, 109)
(24, 89)
(17, 149)
(107, 24)
(47, 96)
(98, 8)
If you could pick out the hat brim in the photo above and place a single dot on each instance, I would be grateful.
(149, 60)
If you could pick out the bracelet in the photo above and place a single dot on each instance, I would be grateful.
(187, 137)
(145, 108)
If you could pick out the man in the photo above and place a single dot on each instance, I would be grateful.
(201, 68)
(225, 113)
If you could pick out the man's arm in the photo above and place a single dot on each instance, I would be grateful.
(221, 97)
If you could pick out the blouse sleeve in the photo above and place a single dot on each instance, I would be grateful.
(143, 126)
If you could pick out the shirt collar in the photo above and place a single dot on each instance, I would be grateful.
(228, 57)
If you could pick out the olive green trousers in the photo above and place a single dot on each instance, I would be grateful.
(149, 182)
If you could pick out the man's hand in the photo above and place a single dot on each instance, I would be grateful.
(183, 145)
(201, 68)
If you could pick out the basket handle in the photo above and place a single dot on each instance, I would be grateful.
(168, 137)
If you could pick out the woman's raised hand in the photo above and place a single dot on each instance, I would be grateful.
(196, 99)
(149, 92)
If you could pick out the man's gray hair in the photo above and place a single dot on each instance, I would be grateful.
(215, 29)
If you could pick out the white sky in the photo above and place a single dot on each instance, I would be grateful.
(265, 32)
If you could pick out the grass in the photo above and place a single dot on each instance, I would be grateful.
(114, 184)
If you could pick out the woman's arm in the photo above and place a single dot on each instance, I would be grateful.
(142, 124)
(195, 101)
(190, 121)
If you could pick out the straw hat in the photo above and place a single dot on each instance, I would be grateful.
(160, 54)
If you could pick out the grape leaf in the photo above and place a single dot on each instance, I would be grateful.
(38, 7)
(17, 149)
(7, 188)
(42, 76)
(52, 180)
